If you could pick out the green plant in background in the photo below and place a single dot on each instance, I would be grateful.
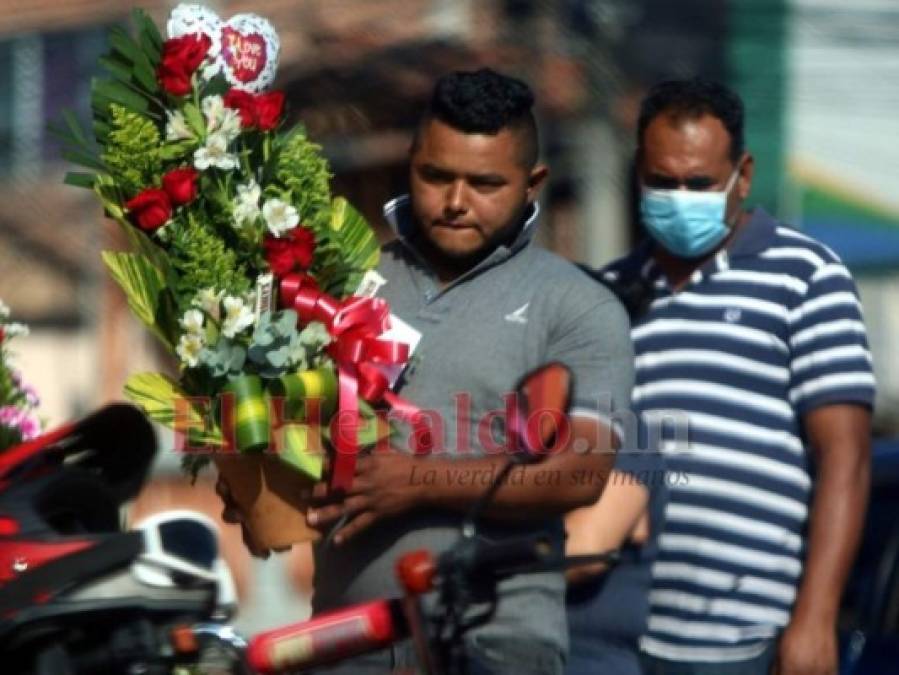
(18, 401)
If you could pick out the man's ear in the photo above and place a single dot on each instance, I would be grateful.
(747, 171)
(536, 180)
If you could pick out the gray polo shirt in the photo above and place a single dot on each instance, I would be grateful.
(521, 307)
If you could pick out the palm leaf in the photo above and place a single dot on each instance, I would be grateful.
(143, 285)
(358, 245)
(148, 34)
(156, 394)
(296, 450)
(80, 179)
(166, 403)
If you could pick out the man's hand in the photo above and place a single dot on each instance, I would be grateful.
(807, 648)
(384, 485)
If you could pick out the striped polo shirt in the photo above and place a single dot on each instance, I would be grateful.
(769, 329)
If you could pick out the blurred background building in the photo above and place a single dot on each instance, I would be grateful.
(820, 79)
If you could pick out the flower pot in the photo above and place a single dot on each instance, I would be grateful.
(272, 497)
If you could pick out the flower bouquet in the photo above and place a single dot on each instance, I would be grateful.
(242, 263)
(18, 401)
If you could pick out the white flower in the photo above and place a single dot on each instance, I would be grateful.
(16, 329)
(189, 348)
(192, 322)
(208, 300)
(249, 192)
(245, 213)
(237, 316)
(230, 125)
(215, 153)
(214, 111)
(163, 232)
(4, 309)
(176, 128)
(279, 216)
(246, 206)
(219, 119)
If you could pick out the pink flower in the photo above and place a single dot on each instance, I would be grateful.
(31, 396)
(10, 415)
(29, 427)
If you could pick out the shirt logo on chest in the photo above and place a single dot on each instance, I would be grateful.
(518, 316)
(733, 314)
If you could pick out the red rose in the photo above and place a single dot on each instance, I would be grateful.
(268, 110)
(278, 255)
(175, 80)
(150, 209)
(293, 251)
(181, 185)
(243, 102)
(181, 56)
(187, 51)
(263, 111)
(302, 246)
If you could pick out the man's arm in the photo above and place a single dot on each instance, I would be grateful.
(591, 335)
(607, 524)
(839, 436)
(552, 487)
(387, 484)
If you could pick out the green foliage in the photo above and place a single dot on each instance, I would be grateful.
(156, 395)
(133, 153)
(303, 171)
(276, 344)
(224, 359)
(9, 436)
(10, 394)
(201, 259)
(145, 288)
(345, 249)
(277, 347)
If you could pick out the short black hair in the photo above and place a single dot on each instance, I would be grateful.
(691, 99)
(485, 102)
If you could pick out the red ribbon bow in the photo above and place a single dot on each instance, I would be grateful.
(355, 325)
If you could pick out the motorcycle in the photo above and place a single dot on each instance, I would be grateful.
(80, 595)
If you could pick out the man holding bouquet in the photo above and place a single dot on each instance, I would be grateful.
(490, 305)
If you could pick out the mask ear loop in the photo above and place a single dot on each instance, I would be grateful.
(733, 179)
(731, 182)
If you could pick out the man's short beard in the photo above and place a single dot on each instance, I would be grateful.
(463, 262)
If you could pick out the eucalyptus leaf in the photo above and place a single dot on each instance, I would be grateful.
(223, 359)
(314, 335)
(286, 321)
(278, 357)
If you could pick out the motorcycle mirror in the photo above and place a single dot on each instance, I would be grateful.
(541, 424)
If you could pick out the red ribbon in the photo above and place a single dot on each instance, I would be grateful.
(355, 325)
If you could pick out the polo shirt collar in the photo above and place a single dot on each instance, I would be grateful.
(755, 236)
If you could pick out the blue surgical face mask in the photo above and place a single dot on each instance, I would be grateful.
(687, 223)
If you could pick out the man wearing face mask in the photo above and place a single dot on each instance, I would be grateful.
(753, 331)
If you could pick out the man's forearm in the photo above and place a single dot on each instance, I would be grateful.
(837, 518)
(555, 486)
